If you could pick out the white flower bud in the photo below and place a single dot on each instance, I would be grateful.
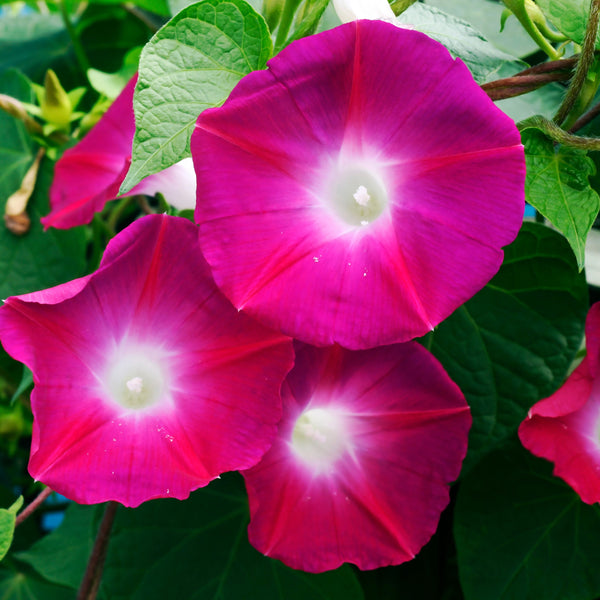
(350, 10)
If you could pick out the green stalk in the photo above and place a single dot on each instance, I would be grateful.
(519, 9)
(77, 46)
(287, 16)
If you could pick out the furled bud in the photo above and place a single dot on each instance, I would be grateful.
(351, 10)
(55, 103)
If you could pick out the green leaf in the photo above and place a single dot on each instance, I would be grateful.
(513, 342)
(19, 582)
(558, 186)
(191, 64)
(483, 59)
(178, 5)
(61, 557)
(32, 43)
(522, 534)
(7, 525)
(198, 550)
(108, 34)
(112, 84)
(431, 575)
(160, 7)
(570, 17)
(37, 259)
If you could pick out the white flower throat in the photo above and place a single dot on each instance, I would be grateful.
(136, 378)
(319, 437)
(356, 195)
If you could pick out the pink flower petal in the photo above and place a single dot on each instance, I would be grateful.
(148, 383)
(359, 472)
(565, 428)
(88, 175)
(350, 192)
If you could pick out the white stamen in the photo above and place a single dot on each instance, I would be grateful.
(362, 196)
(135, 385)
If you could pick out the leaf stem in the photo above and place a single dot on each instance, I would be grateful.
(77, 46)
(33, 506)
(586, 58)
(90, 583)
(519, 9)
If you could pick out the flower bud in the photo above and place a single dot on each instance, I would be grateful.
(351, 10)
(55, 103)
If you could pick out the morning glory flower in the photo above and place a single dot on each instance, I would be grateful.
(565, 428)
(88, 175)
(358, 190)
(360, 470)
(351, 10)
(148, 383)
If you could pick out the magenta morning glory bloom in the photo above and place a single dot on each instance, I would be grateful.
(565, 428)
(148, 383)
(358, 190)
(359, 472)
(88, 175)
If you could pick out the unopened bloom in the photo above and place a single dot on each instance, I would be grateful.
(565, 428)
(358, 190)
(88, 175)
(351, 10)
(148, 383)
(359, 472)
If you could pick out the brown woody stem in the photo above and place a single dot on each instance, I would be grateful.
(33, 506)
(90, 583)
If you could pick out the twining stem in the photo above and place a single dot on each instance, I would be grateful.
(562, 64)
(151, 21)
(586, 58)
(530, 79)
(33, 506)
(90, 583)
(559, 135)
(77, 46)
(586, 118)
(516, 86)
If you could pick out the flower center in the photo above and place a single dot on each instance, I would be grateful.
(136, 379)
(356, 195)
(319, 437)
